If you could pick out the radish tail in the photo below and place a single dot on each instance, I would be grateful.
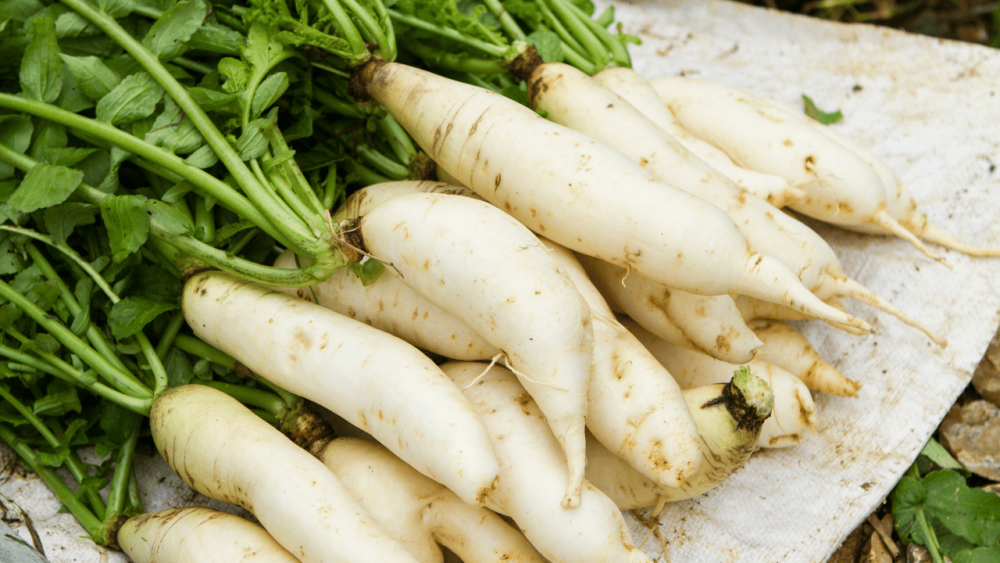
(825, 378)
(933, 234)
(790, 195)
(854, 289)
(887, 222)
(769, 279)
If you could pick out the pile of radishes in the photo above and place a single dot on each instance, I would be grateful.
(546, 404)
(583, 316)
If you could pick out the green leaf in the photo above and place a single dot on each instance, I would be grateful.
(368, 270)
(116, 421)
(60, 220)
(131, 314)
(41, 68)
(49, 135)
(134, 98)
(127, 222)
(93, 77)
(972, 514)
(518, 93)
(818, 114)
(71, 98)
(217, 38)
(179, 368)
(935, 452)
(211, 100)
(116, 8)
(989, 554)
(47, 343)
(68, 156)
(202, 158)
(237, 74)
(168, 219)
(60, 398)
(43, 186)
(548, 45)
(53, 459)
(72, 24)
(15, 133)
(171, 31)
(173, 131)
(252, 143)
(908, 499)
(263, 49)
(11, 261)
(81, 322)
(268, 92)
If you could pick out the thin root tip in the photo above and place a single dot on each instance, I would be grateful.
(571, 500)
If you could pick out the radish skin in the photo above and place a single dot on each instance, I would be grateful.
(484, 267)
(712, 325)
(607, 117)
(420, 513)
(565, 186)
(533, 469)
(392, 306)
(841, 188)
(638, 92)
(198, 535)
(364, 200)
(635, 406)
(215, 445)
(375, 381)
(794, 409)
(786, 348)
(729, 423)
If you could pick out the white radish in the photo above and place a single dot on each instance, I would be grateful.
(841, 187)
(484, 267)
(224, 451)
(609, 118)
(794, 409)
(419, 513)
(580, 193)
(532, 474)
(373, 380)
(637, 91)
(364, 200)
(712, 325)
(198, 535)
(392, 306)
(635, 407)
(729, 422)
(786, 348)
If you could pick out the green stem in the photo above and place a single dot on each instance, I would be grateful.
(34, 363)
(386, 48)
(86, 353)
(490, 49)
(618, 51)
(582, 32)
(204, 221)
(76, 467)
(506, 20)
(569, 41)
(118, 491)
(79, 510)
(226, 195)
(269, 402)
(94, 335)
(134, 500)
(932, 542)
(339, 106)
(349, 32)
(293, 227)
(398, 139)
(453, 61)
(169, 334)
(189, 64)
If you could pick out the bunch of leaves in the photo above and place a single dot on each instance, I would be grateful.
(934, 506)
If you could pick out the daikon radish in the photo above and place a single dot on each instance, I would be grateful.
(198, 535)
(786, 348)
(637, 91)
(364, 200)
(572, 98)
(712, 325)
(533, 474)
(841, 187)
(392, 306)
(578, 192)
(419, 513)
(484, 267)
(729, 418)
(794, 409)
(753, 309)
(224, 451)
(374, 380)
(635, 407)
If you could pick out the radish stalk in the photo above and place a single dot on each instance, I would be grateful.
(374, 380)
(487, 269)
(634, 405)
(198, 535)
(789, 350)
(712, 325)
(213, 444)
(532, 484)
(729, 418)
(794, 409)
(558, 165)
